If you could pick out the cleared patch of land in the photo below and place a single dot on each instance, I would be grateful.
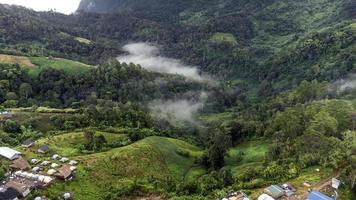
(69, 144)
(145, 164)
(69, 66)
(36, 64)
(252, 154)
(21, 60)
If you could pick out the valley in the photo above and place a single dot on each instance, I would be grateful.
(179, 100)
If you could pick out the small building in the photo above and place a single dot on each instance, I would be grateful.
(9, 194)
(65, 173)
(55, 165)
(27, 143)
(316, 195)
(274, 191)
(67, 196)
(73, 162)
(236, 196)
(35, 161)
(9, 153)
(36, 169)
(63, 160)
(56, 157)
(21, 188)
(43, 149)
(45, 163)
(20, 164)
(41, 198)
(51, 172)
(335, 183)
(265, 197)
(73, 168)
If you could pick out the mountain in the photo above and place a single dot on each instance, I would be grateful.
(229, 94)
(250, 40)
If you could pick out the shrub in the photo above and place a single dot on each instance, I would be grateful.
(11, 127)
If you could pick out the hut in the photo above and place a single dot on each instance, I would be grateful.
(27, 143)
(20, 164)
(265, 197)
(64, 173)
(21, 188)
(43, 149)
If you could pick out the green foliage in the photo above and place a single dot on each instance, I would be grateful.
(11, 127)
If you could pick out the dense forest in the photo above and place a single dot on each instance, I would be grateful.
(281, 72)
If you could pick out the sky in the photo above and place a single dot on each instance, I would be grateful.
(63, 6)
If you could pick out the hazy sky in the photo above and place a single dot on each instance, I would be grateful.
(63, 6)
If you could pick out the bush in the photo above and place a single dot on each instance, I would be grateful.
(11, 127)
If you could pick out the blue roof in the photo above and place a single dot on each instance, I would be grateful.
(315, 195)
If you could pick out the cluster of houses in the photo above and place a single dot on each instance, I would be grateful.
(287, 191)
(33, 174)
(236, 196)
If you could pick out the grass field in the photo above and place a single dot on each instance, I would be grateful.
(36, 64)
(58, 63)
(253, 154)
(68, 144)
(154, 158)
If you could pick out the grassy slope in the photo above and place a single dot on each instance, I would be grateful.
(36, 64)
(254, 152)
(156, 158)
(58, 63)
(68, 144)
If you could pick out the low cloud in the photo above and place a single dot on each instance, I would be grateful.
(349, 82)
(179, 109)
(149, 58)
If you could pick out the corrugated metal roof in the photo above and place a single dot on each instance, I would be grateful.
(9, 153)
(315, 195)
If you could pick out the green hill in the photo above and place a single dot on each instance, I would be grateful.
(147, 165)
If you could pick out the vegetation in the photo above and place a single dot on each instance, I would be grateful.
(281, 105)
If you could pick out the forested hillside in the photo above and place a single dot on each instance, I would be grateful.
(271, 99)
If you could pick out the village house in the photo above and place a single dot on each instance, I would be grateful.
(65, 173)
(9, 194)
(56, 157)
(43, 149)
(236, 196)
(9, 153)
(36, 169)
(63, 160)
(35, 161)
(55, 165)
(274, 191)
(21, 188)
(316, 195)
(51, 172)
(73, 168)
(73, 162)
(45, 163)
(40, 198)
(20, 164)
(27, 143)
(265, 197)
